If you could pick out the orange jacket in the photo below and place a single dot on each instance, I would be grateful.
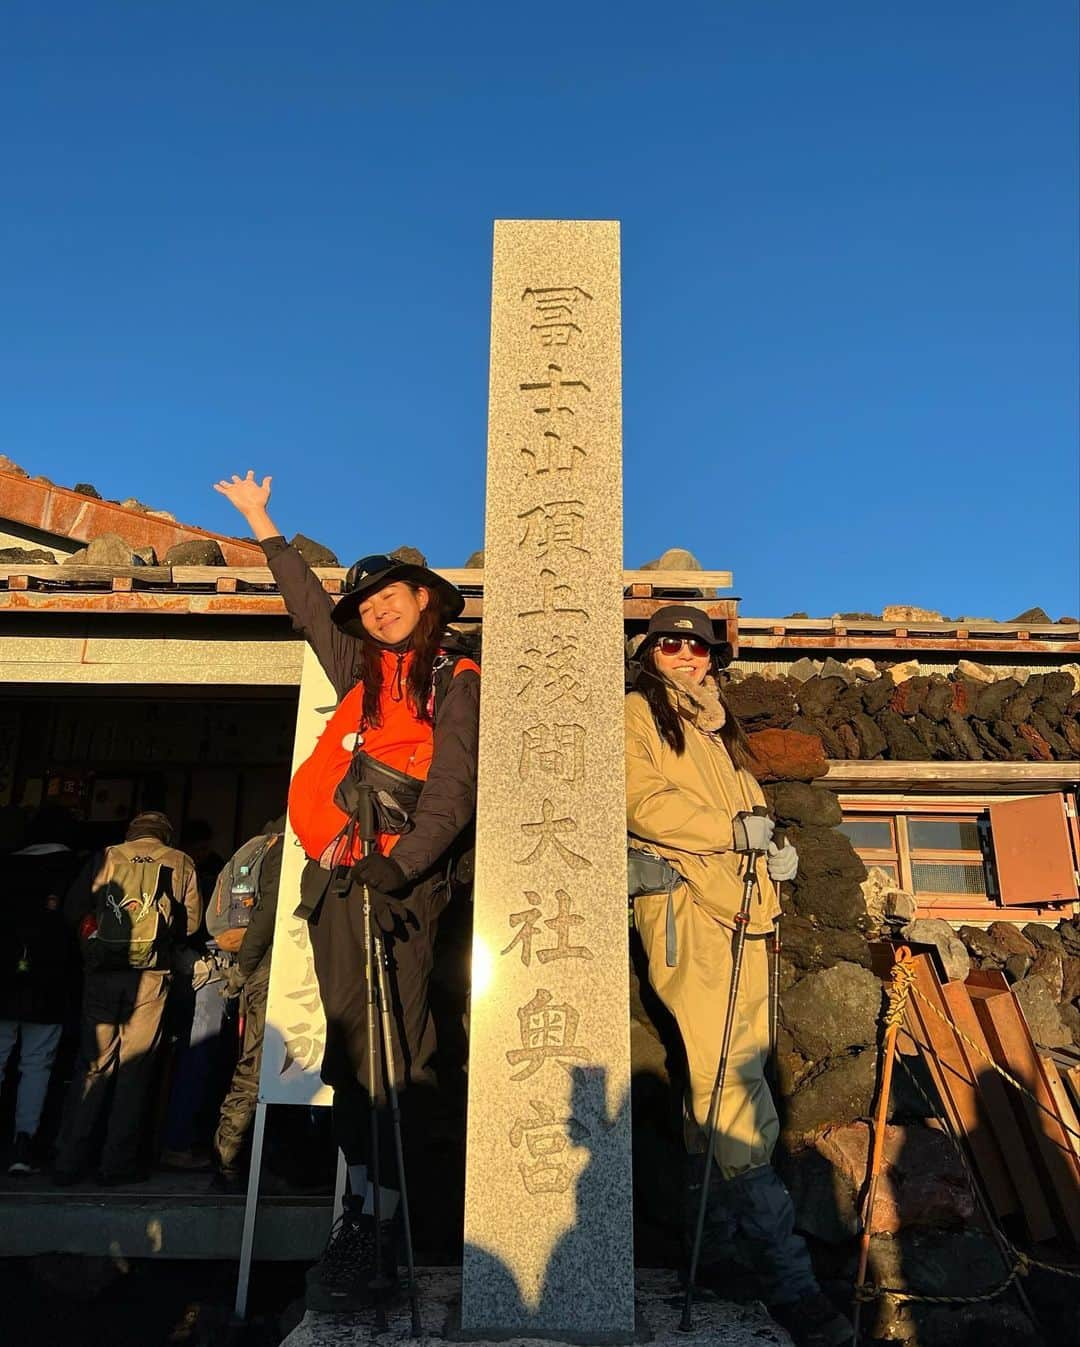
(402, 741)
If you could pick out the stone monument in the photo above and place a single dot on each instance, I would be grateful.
(548, 1221)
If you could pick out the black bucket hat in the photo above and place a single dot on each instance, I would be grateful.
(679, 619)
(372, 573)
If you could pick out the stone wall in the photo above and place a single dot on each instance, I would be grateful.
(830, 1002)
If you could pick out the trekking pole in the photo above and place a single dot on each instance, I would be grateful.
(894, 1017)
(742, 919)
(365, 830)
(395, 1114)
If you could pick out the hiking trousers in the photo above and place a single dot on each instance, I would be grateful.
(238, 1107)
(119, 1037)
(337, 941)
(696, 992)
(37, 1045)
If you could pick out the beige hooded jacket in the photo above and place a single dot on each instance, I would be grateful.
(682, 806)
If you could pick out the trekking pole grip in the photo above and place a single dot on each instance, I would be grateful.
(365, 815)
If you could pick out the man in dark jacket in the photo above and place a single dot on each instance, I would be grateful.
(122, 1006)
(38, 963)
(252, 975)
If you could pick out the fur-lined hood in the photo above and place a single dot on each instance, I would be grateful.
(699, 703)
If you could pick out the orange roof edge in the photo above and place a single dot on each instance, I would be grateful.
(55, 509)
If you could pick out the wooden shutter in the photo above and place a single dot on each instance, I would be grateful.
(1033, 850)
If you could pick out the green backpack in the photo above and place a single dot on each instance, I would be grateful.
(133, 909)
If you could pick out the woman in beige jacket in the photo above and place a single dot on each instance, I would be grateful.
(690, 799)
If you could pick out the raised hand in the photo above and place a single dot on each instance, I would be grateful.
(245, 493)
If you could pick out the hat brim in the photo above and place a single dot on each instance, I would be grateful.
(451, 601)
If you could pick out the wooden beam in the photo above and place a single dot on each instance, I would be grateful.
(912, 778)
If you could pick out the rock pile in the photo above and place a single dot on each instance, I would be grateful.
(900, 714)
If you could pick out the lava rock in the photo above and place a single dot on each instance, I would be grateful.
(1069, 930)
(832, 668)
(951, 949)
(991, 700)
(195, 552)
(315, 554)
(832, 1011)
(937, 699)
(1033, 616)
(923, 1182)
(1008, 940)
(902, 744)
(865, 670)
(85, 489)
(1042, 936)
(785, 755)
(1070, 1018)
(908, 697)
(809, 947)
(962, 733)
(1049, 965)
(1041, 1012)
(872, 743)
(804, 669)
(824, 851)
(762, 703)
(800, 803)
(412, 556)
(817, 729)
(26, 556)
(1043, 751)
(979, 672)
(849, 741)
(834, 902)
(1017, 967)
(108, 550)
(840, 1093)
(475, 561)
(905, 612)
(145, 556)
(876, 695)
(9, 466)
(817, 694)
(1058, 688)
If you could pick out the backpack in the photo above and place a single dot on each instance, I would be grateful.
(133, 911)
(236, 893)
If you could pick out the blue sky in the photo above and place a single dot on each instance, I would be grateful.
(258, 235)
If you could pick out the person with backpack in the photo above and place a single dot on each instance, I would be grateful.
(132, 906)
(240, 918)
(407, 720)
(38, 965)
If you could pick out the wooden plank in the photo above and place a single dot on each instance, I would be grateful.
(1011, 1046)
(121, 584)
(958, 1083)
(946, 777)
(1063, 1100)
(1014, 1185)
(226, 584)
(88, 575)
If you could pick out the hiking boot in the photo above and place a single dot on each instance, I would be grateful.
(189, 1160)
(228, 1181)
(345, 1278)
(813, 1321)
(22, 1155)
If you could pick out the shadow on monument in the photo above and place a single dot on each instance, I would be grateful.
(577, 1271)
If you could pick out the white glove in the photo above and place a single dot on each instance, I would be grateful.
(782, 862)
(752, 832)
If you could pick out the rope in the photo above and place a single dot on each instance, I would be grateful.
(898, 990)
(921, 996)
(1022, 1263)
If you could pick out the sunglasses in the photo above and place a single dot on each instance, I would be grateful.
(672, 645)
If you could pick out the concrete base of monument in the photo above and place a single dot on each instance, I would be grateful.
(657, 1297)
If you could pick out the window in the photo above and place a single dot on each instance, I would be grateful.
(943, 859)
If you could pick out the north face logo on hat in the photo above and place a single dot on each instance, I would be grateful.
(682, 622)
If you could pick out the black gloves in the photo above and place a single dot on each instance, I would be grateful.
(380, 873)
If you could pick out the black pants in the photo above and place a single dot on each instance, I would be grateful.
(337, 941)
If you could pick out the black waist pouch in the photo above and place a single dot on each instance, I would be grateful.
(394, 794)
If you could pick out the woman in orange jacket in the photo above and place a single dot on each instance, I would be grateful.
(409, 708)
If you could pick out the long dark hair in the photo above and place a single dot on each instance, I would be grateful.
(653, 686)
(424, 643)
